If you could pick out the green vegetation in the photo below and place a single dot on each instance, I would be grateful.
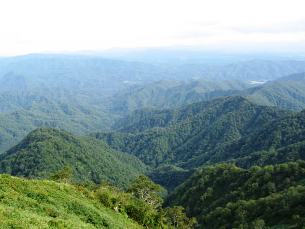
(287, 93)
(88, 94)
(279, 141)
(47, 204)
(142, 203)
(208, 153)
(225, 196)
(196, 133)
(45, 151)
(170, 176)
(62, 91)
(230, 129)
(170, 94)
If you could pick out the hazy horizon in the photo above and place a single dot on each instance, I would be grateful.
(77, 26)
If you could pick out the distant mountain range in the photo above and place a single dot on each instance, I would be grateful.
(286, 92)
(87, 93)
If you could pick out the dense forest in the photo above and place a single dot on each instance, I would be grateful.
(84, 94)
(226, 196)
(62, 204)
(45, 151)
(194, 135)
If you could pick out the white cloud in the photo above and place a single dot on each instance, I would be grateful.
(71, 25)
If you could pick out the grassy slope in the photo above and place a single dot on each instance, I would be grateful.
(46, 204)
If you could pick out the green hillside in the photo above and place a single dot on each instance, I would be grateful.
(79, 133)
(225, 196)
(80, 120)
(170, 94)
(64, 91)
(45, 151)
(40, 204)
(287, 92)
(279, 141)
(195, 135)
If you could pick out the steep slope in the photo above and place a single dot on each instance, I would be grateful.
(225, 196)
(207, 128)
(42, 204)
(287, 93)
(141, 120)
(279, 141)
(45, 151)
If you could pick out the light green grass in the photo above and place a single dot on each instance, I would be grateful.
(47, 204)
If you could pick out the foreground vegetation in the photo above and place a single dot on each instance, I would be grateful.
(49, 204)
(226, 196)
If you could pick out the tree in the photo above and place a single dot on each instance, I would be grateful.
(258, 224)
(146, 190)
(178, 219)
(63, 175)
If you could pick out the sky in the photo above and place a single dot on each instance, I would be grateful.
(32, 26)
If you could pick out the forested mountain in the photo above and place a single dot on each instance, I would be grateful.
(87, 93)
(65, 91)
(171, 94)
(172, 126)
(188, 64)
(258, 70)
(30, 111)
(77, 72)
(230, 129)
(287, 92)
(193, 135)
(225, 196)
(278, 141)
(80, 113)
(45, 151)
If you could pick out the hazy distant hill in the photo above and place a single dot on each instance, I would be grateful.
(83, 93)
(286, 92)
(171, 94)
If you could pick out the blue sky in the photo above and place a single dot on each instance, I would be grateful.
(76, 25)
